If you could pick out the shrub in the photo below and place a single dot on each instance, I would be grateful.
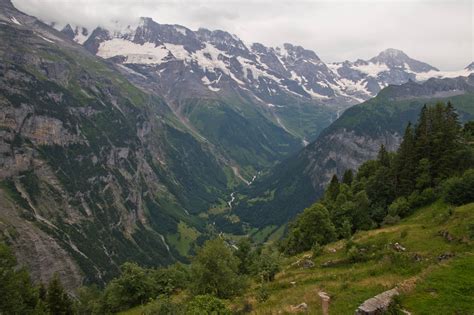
(313, 225)
(206, 305)
(262, 294)
(460, 190)
(316, 249)
(391, 220)
(215, 271)
(424, 198)
(266, 267)
(162, 305)
(400, 207)
(133, 287)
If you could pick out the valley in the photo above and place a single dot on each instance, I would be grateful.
(151, 168)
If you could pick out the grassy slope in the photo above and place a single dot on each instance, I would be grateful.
(428, 286)
(431, 287)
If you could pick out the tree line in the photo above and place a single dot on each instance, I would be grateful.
(220, 270)
(435, 160)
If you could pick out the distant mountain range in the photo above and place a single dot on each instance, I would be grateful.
(219, 59)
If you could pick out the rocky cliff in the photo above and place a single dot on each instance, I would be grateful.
(93, 171)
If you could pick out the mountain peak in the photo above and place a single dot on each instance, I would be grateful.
(297, 52)
(397, 59)
(470, 67)
(392, 53)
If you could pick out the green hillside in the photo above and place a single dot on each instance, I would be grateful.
(351, 272)
(297, 182)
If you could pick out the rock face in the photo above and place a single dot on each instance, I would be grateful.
(379, 304)
(93, 171)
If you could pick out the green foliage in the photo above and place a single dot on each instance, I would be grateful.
(215, 270)
(245, 255)
(206, 305)
(18, 295)
(348, 177)
(333, 189)
(89, 301)
(311, 226)
(316, 250)
(163, 306)
(262, 294)
(460, 190)
(346, 229)
(171, 279)
(133, 287)
(400, 207)
(57, 300)
(386, 190)
(265, 267)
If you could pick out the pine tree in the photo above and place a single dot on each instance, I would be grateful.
(422, 133)
(57, 299)
(333, 189)
(348, 177)
(383, 157)
(405, 164)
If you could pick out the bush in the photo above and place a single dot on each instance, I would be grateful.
(206, 305)
(424, 198)
(215, 271)
(133, 287)
(391, 220)
(313, 225)
(266, 267)
(262, 294)
(162, 305)
(460, 190)
(400, 207)
(317, 250)
(169, 280)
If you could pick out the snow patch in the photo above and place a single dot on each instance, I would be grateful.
(80, 37)
(180, 29)
(442, 74)
(14, 20)
(147, 53)
(213, 89)
(46, 39)
(250, 66)
(372, 69)
(178, 51)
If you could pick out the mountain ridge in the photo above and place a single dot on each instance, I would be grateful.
(352, 139)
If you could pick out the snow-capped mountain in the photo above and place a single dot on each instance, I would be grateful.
(221, 60)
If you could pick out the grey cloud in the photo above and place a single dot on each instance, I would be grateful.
(438, 32)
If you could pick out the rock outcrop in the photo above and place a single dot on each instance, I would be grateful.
(378, 304)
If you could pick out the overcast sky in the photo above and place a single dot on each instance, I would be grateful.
(437, 32)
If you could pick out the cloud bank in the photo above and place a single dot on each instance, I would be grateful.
(437, 32)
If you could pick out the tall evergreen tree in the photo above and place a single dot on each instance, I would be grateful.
(348, 177)
(383, 157)
(405, 163)
(422, 133)
(57, 299)
(333, 189)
